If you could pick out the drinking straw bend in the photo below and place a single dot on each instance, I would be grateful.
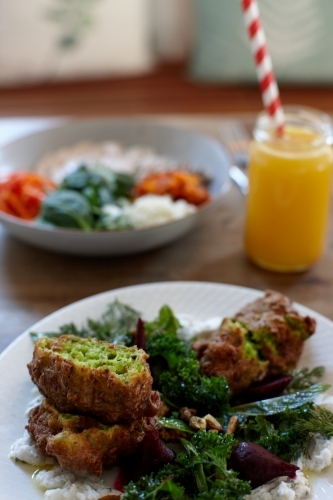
(264, 69)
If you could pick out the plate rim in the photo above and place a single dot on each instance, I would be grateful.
(161, 284)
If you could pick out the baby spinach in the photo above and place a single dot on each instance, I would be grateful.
(281, 403)
(67, 208)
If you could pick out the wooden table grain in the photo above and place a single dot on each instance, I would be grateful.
(34, 283)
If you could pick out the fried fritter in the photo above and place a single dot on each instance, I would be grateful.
(83, 443)
(266, 334)
(277, 329)
(90, 377)
(227, 354)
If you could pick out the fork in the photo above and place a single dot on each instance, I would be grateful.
(235, 139)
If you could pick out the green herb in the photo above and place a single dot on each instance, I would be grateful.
(281, 403)
(200, 472)
(176, 371)
(116, 325)
(165, 322)
(304, 378)
(67, 209)
(150, 488)
(288, 434)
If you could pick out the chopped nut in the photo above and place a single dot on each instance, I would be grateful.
(212, 423)
(197, 423)
(232, 425)
(215, 431)
(187, 413)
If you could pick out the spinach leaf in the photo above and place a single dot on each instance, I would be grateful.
(67, 208)
(99, 184)
(280, 404)
(174, 423)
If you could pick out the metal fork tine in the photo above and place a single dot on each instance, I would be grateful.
(235, 139)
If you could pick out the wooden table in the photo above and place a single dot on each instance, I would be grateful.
(34, 283)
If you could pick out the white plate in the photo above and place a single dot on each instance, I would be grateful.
(202, 300)
(203, 152)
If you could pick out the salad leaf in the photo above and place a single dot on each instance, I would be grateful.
(150, 488)
(174, 423)
(99, 185)
(281, 403)
(176, 371)
(165, 322)
(67, 208)
(116, 325)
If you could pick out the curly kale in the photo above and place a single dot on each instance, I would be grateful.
(177, 375)
(153, 488)
(199, 473)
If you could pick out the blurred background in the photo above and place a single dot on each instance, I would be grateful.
(200, 43)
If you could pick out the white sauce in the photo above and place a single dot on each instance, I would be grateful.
(282, 488)
(62, 484)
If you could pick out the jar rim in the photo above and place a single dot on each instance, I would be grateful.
(304, 117)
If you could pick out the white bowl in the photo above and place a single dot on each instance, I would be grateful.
(203, 152)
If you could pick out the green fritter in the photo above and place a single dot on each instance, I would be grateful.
(91, 377)
(83, 443)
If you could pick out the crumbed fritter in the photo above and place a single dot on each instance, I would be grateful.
(83, 443)
(266, 334)
(224, 355)
(277, 328)
(90, 377)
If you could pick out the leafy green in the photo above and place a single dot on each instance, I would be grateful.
(175, 423)
(200, 473)
(116, 325)
(176, 371)
(304, 378)
(165, 322)
(288, 434)
(281, 403)
(67, 209)
(99, 185)
(150, 488)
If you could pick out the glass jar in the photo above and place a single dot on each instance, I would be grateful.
(289, 190)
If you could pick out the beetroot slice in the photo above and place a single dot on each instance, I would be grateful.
(140, 335)
(257, 465)
(151, 455)
(271, 386)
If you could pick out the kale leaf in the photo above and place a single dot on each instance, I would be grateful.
(200, 473)
(176, 370)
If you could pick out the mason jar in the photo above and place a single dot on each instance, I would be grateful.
(289, 190)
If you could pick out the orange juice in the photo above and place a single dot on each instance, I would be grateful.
(288, 201)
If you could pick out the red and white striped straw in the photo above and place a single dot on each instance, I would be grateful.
(264, 69)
